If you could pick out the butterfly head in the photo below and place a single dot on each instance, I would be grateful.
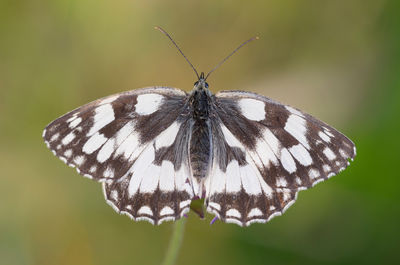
(201, 84)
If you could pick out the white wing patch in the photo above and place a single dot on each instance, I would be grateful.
(104, 114)
(168, 136)
(252, 109)
(329, 154)
(233, 171)
(139, 168)
(94, 143)
(296, 126)
(287, 161)
(167, 176)
(148, 103)
(301, 154)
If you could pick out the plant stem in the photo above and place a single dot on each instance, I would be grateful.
(175, 242)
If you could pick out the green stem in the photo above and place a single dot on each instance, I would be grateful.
(175, 242)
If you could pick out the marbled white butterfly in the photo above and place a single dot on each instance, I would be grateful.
(158, 148)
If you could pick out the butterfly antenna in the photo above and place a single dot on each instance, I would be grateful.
(227, 57)
(176, 45)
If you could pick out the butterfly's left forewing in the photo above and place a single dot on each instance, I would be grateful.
(264, 153)
(131, 142)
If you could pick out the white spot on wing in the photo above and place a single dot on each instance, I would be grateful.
(145, 210)
(218, 180)
(298, 181)
(75, 123)
(326, 130)
(232, 170)
(167, 175)
(234, 213)
(281, 182)
(94, 143)
(166, 211)
(114, 195)
(181, 179)
(92, 169)
(343, 153)
(79, 160)
(296, 126)
(327, 168)
(73, 117)
(313, 173)
(250, 180)
(150, 179)
(267, 147)
(128, 146)
(254, 212)
(106, 151)
(148, 103)
(252, 109)
(54, 137)
(68, 138)
(301, 154)
(287, 161)
(139, 169)
(324, 136)
(68, 153)
(329, 153)
(124, 132)
(168, 136)
(230, 139)
(104, 114)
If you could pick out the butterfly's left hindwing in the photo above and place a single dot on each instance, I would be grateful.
(129, 141)
(264, 153)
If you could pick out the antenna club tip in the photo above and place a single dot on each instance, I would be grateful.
(256, 37)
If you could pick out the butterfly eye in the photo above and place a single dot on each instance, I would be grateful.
(206, 85)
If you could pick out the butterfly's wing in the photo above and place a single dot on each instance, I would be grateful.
(132, 142)
(264, 153)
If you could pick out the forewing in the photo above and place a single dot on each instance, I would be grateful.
(102, 139)
(284, 150)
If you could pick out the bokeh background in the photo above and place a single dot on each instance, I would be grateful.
(338, 60)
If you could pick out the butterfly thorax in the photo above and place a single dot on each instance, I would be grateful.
(200, 101)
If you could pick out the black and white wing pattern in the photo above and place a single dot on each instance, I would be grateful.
(134, 143)
(264, 153)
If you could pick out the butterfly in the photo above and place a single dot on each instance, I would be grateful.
(156, 149)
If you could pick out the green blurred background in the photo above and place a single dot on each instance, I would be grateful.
(338, 60)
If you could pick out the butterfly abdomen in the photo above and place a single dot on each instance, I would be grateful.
(200, 149)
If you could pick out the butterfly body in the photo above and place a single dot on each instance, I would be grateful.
(200, 145)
